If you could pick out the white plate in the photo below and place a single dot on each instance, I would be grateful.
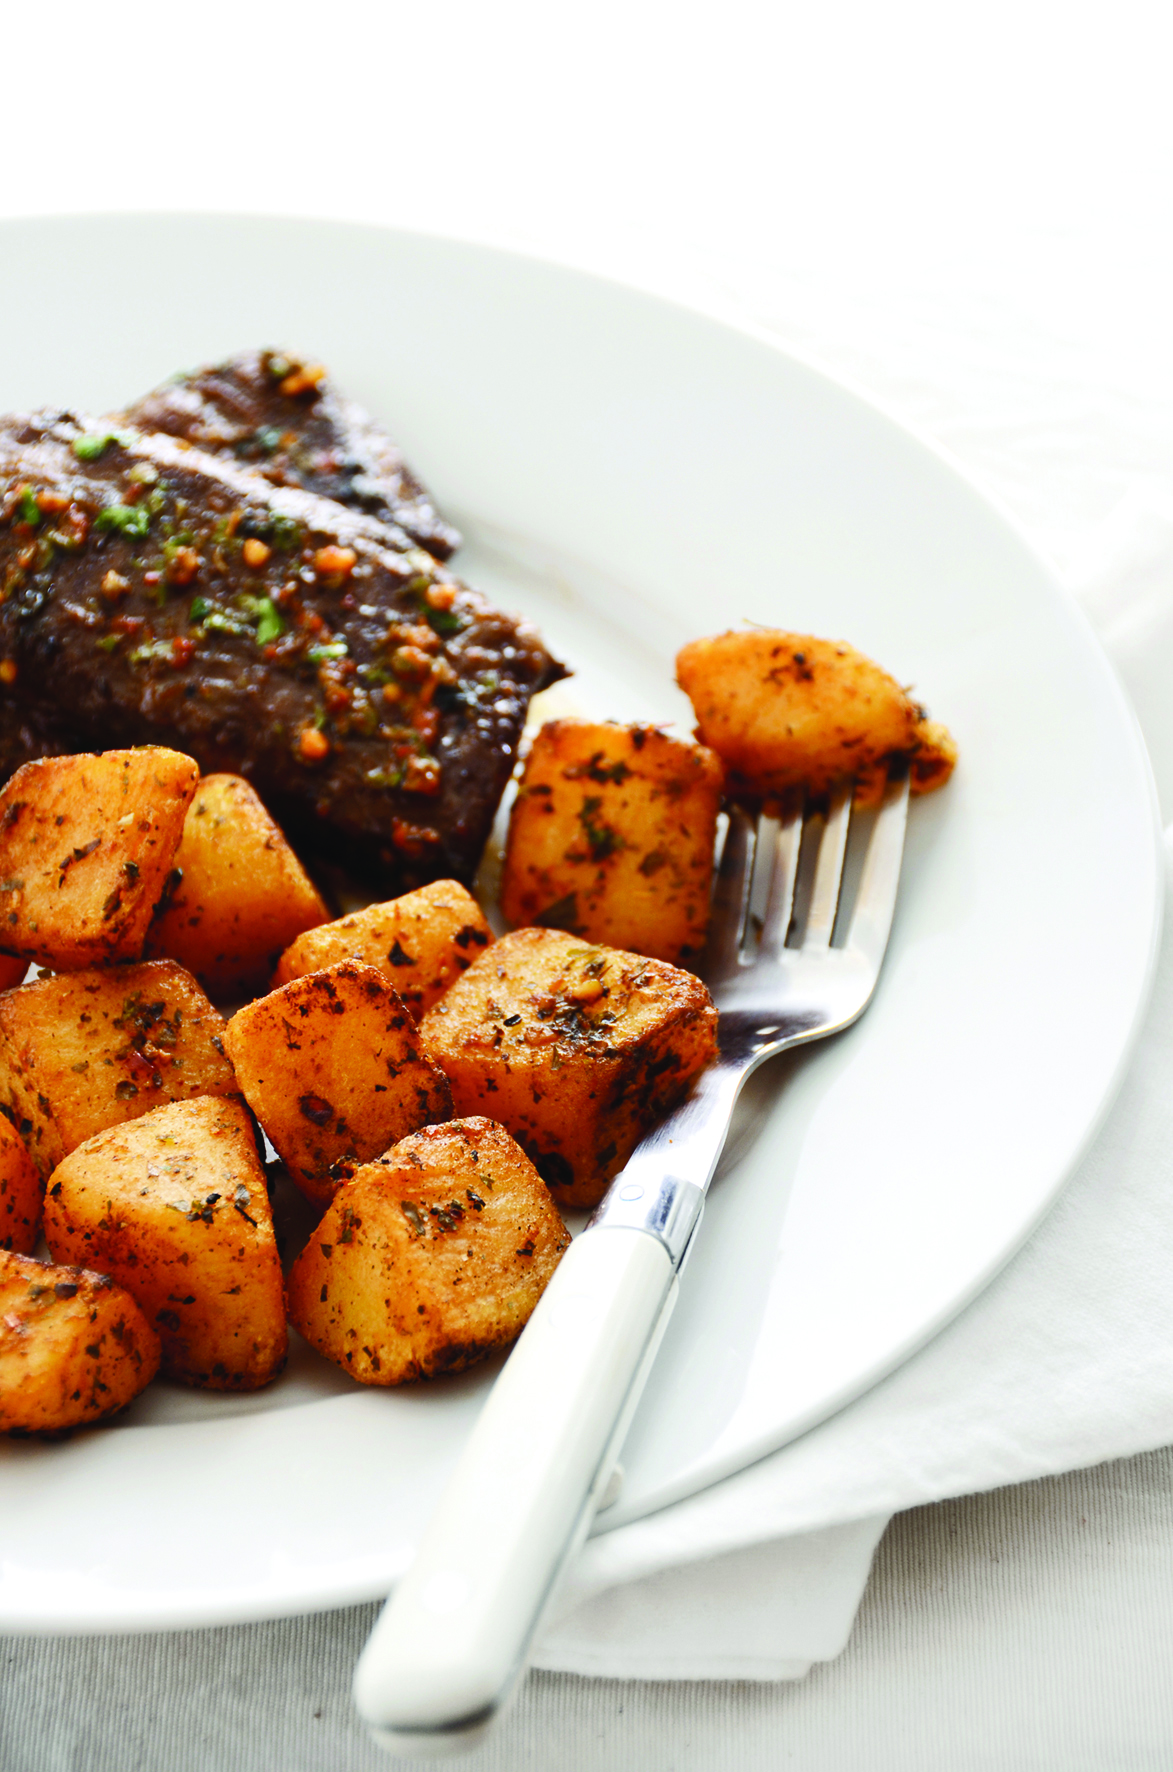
(634, 474)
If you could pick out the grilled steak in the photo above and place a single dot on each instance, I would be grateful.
(152, 593)
(283, 418)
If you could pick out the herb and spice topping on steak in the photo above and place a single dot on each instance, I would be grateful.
(280, 416)
(153, 593)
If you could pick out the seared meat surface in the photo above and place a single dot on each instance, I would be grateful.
(282, 417)
(153, 593)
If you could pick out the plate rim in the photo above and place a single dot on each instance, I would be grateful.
(162, 1613)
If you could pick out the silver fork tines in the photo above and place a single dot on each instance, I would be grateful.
(760, 909)
(778, 978)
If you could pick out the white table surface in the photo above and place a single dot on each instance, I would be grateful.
(965, 208)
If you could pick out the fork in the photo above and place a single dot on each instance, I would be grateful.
(453, 1639)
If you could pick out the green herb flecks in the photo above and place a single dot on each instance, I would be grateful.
(279, 531)
(134, 520)
(444, 622)
(29, 509)
(152, 649)
(269, 623)
(92, 445)
(387, 776)
(601, 838)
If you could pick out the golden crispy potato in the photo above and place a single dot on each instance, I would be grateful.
(611, 837)
(73, 1347)
(331, 1065)
(175, 1207)
(934, 758)
(80, 1051)
(430, 1257)
(20, 1194)
(577, 1050)
(421, 941)
(787, 711)
(26, 1109)
(86, 846)
(243, 895)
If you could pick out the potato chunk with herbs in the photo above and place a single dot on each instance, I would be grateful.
(331, 1065)
(788, 711)
(577, 1050)
(430, 1257)
(87, 1050)
(421, 941)
(243, 895)
(611, 837)
(74, 1347)
(20, 1193)
(934, 759)
(175, 1207)
(86, 846)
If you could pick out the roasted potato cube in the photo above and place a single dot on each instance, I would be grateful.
(577, 1050)
(331, 1065)
(430, 1257)
(86, 845)
(73, 1347)
(27, 1111)
(788, 711)
(421, 942)
(20, 1194)
(175, 1207)
(611, 837)
(243, 895)
(86, 1050)
(934, 758)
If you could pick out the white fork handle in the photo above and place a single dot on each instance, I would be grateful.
(453, 1638)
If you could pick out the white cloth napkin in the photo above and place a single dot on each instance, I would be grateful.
(1064, 1361)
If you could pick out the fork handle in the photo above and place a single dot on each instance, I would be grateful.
(453, 1638)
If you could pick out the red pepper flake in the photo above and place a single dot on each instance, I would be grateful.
(255, 553)
(312, 746)
(334, 562)
(152, 578)
(440, 596)
(182, 650)
(52, 502)
(412, 839)
(127, 624)
(426, 721)
(410, 661)
(421, 775)
(184, 566)
(302, 379)
(75, 526)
